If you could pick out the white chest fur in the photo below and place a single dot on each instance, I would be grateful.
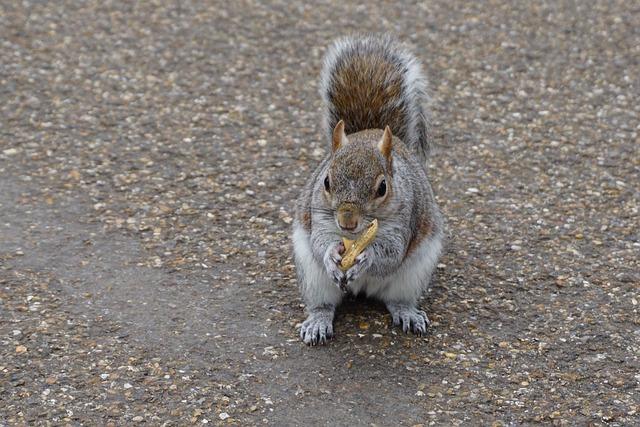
(404, 285)
(411, 278)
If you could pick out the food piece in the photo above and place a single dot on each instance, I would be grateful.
(355, 248)
(347, 243)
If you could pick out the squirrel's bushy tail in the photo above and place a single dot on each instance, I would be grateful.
(372, 81)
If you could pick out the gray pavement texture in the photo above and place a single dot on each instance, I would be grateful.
(150, 155)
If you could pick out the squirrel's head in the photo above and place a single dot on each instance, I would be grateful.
(358, 182)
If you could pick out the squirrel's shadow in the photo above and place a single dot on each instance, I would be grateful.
(361, 304)
(357, 309)
(358, 305)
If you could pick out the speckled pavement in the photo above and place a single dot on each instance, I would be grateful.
(150, 154)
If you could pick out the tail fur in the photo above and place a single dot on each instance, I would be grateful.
(372, 81)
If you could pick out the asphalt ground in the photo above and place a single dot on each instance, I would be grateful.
(150, 156)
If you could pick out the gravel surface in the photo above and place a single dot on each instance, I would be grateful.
(150, 156)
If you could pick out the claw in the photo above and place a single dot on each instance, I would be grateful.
(332, 259)
(396, 318)
(318, 327)
(406, 323)
(409, 317)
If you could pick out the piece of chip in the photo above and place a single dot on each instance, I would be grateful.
(355, 248)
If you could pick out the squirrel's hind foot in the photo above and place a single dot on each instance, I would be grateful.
(409, 317)
(318, 327)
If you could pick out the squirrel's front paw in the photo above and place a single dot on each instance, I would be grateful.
(362, 264)
(332, 259)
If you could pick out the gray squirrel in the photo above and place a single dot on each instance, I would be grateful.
(369, 83)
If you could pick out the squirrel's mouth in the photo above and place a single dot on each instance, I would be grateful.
(350, 232)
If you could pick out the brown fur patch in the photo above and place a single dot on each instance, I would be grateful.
(423, 230)
(372, 82)
(306, 220)
(338, 136)
(386, 143)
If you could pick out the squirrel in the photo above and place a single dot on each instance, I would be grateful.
(374, 94)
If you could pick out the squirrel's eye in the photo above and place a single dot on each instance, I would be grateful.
(382, 188)
(327, 186)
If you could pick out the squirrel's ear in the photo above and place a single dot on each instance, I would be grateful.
(339, 137)
(386, 143)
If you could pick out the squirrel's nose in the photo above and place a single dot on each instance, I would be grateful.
(348, 216)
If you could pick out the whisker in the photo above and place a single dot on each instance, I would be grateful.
(329, 213)
(322, 213)
(321, 209)
(370, 218)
